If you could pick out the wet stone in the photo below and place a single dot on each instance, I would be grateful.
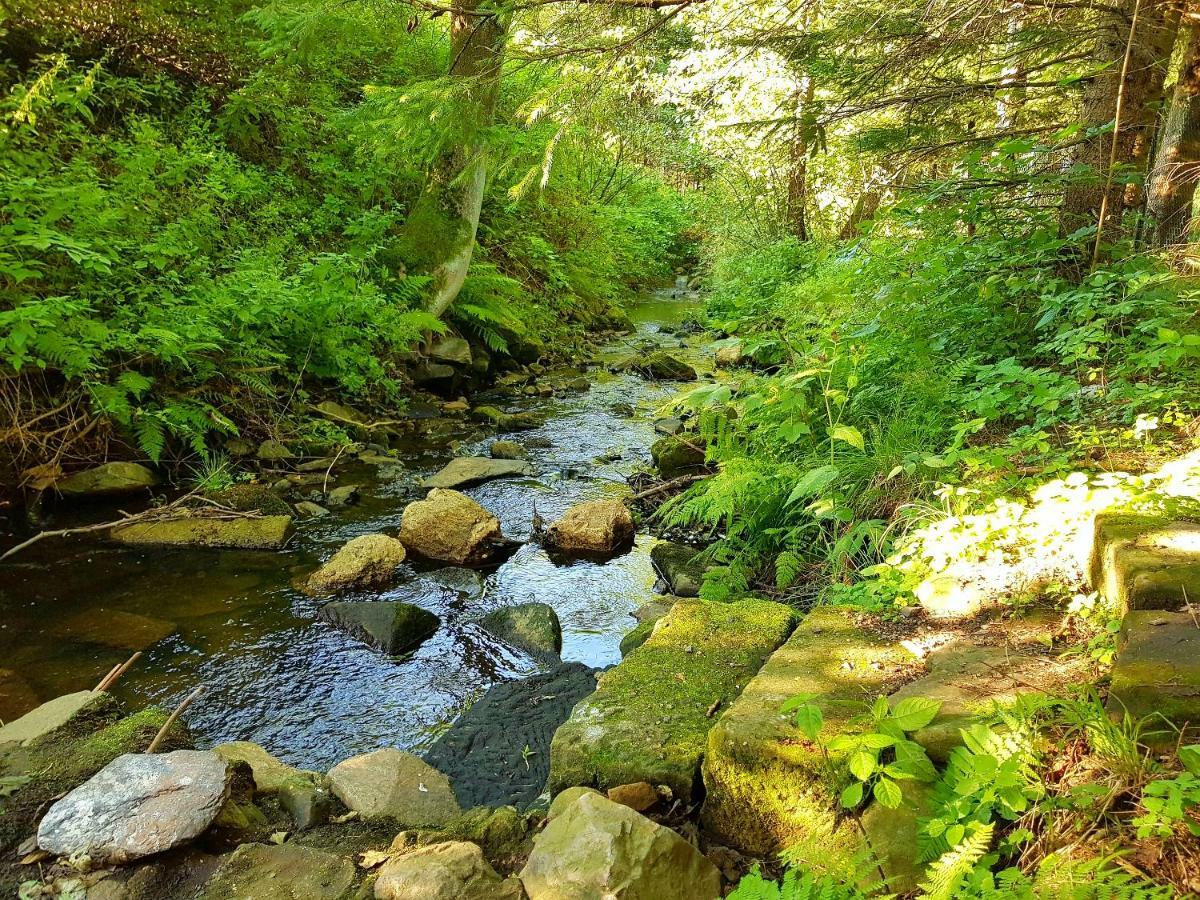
(388, 625)
(465, 471)
(532, 627)
(114, 628)
(281, 872)
(493, 762)
(393, 784)
(261, 533)
(107, 480)
(450, 527)
(367, 561)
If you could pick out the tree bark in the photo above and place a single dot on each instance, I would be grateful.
(1136, 45)
(1177, 165)
(439, 235)
(864, 210)
(797, 186)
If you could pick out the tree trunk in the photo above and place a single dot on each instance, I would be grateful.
(864, 210)
(797, 187)
(1136, 45)
(1177, 165)
(438, 238)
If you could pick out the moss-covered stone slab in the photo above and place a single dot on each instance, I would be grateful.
(468, 470)
(107, 480)
(281, 872)
(258, 533)
(1157, 670)
(1145, 561)
(767, 787)
(968, 680)
(650, 715)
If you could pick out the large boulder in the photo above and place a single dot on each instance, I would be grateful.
(51, 716)
(251, 533)
(455, 870)
(393, 784)
(594, 527)
(388, 625)
(767, 787)
(490, 762)
(107, 480)
(281, 872)
(450, 527)
(680, 566)
(1156, 672)
(675, 455)
(533, 627)
(596, 848)
(464, 471)
(367, 561)
(650, 716)
(138, 805)
(658, 366)
(451, 349)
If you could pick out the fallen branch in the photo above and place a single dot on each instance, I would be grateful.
(116, 672)
(162, 732)
(669, 485)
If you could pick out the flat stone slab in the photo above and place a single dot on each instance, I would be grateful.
(484, 753)
(968, 680)
(1157, 670)
(1145, 561)
(467, 470)
(49, 717)
(261, 533)
(107, 480)
(388, 625)
(393, 784)
(281, 872)
(115, 628)
(767, 786)
(270, 773)
(650, 716)
(138, 805)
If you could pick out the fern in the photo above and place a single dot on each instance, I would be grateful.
(947, 873)
(797, 884)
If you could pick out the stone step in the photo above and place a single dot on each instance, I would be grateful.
(650, 715)
(767, 787)
(1145, 561)
(1156, 673)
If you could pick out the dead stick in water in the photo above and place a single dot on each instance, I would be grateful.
(114, 676)
(667, 485)
(162, 732)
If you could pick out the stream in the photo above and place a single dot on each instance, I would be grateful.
(272, 672)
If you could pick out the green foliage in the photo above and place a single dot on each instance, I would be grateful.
(1172, 803)
(797, 884)
(882, 754)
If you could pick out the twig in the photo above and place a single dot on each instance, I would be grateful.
(668, 485)
(117, 671)
(162, 732)
(325, 483)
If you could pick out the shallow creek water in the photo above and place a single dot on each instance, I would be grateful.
(276, 675)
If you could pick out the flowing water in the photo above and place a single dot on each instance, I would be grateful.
(276, 675)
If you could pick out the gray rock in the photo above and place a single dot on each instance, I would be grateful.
(455, 870)
(467, 583)
(281, 872)
(451, 349)
(138, 805)
(668, 426)
(506, 450)
(269, 773)
(531, 626)
(308, 802)
(680, 567)
(345, 495)
(367, 561)
(311, 510)
(468, 470)
(107, 480)
(596, 848)
(388, 625)
(50, 716)
(424, 373)
(392, 784)
(274, 451)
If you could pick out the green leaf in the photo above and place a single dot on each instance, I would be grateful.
(809, 720)
(1190, 757)
(852, 796)
(862, 765)
(849, 434)
(813, 482)
(887, 792)
(914, 713)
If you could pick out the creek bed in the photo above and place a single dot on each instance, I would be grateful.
(276, 675)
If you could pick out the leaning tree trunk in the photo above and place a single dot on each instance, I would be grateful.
(1136, 46)
(439, 234)
(1177, 165)
(797, 186)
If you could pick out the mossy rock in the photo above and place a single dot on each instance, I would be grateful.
(680, 566)
(252, 498)
(649, 717)
(533, 627)
(637, 637)
(502, 833)
(675, 456)
(1157, 673)
(281, 872)
(67, 757)
(108, 480)
(767, 787)
(1145, 561)
(259, 533)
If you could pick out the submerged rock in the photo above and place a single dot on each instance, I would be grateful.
(489, 761)
(107, 480)
(650, 716)
(393, 784)
(115, 628)
(280, 872)
(596, 848)
(367, 561)
(464, 471)
(597, 526)
(506, 450)
(138, 805)
(674, 455)
(311, 510)
(260, 533)
(450, 527)
(387, 625)
(530, 626)
(680, 566)
(17, 696)
(455, 870)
